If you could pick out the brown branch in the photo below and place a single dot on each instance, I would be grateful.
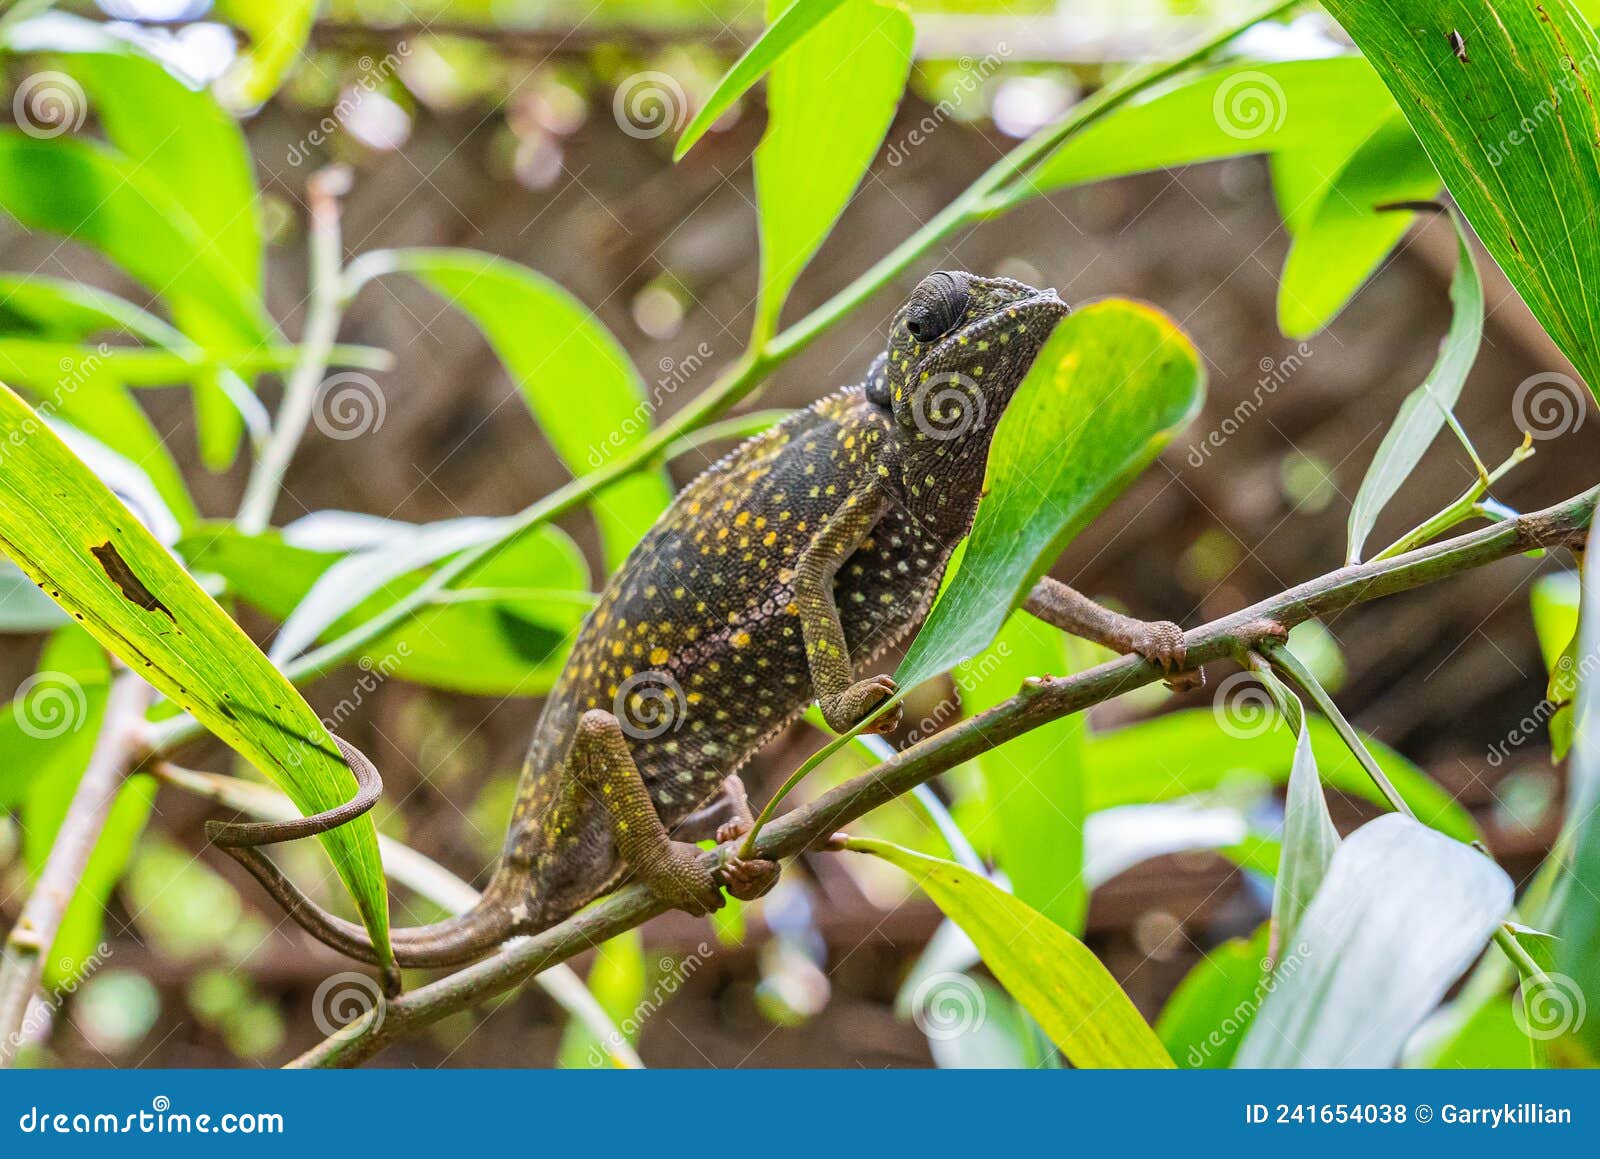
(121, 736)
(1040, 702)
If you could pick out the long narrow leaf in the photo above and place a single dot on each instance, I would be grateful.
(1056, 977)
(1426, 409)
(74, 538)
(780, 36)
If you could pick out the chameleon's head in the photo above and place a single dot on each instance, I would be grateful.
(957, 352)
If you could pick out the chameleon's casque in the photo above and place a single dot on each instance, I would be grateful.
(774, 579)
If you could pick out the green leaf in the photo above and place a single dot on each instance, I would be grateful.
(69, 533)
(1055, 977)
(1309, 841)
(780, 36)
(1555, 622)
(617, 981)
(23, 607)
(1578, 924)
(1511, 131)
(1230, 112)
(48, 728)
(1104, 396)
(574, 375)
(1033, 784)
(98, 197)
(1207, 1015)
(830, 100)
(1195, 750)
(184, 140)
(277, 32)
(507, 635)
(1403, 912)
(1427, 408)
(1339, 238)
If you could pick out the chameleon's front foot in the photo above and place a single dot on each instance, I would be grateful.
(745, 879)
(844, 710)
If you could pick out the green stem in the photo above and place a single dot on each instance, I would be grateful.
(1289, 664)
(1465, 507)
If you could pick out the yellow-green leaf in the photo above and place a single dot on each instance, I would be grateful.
(1056, 977)
(70, 534)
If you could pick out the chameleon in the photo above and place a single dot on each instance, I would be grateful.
(777, 577)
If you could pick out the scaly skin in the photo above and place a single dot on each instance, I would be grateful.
(775, 578)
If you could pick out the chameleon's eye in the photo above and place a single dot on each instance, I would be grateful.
(936, 306)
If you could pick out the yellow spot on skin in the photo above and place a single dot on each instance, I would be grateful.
(659, 656)
(741, 639)
(741, 519)
(769, 539)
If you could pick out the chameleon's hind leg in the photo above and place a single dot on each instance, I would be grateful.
(746, 880)
(1158, 641)
(603, 767)
(842, 699)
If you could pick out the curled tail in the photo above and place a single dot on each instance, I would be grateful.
(447, 943)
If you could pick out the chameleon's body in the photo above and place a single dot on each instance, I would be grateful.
(774, 579)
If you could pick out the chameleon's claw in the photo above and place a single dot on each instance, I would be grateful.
(846, 709)
(1161, 643)
(745, 879)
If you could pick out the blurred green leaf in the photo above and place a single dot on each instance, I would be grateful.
(98, 197)
(1531, 194)
(101, 565)
(1578, 922)
(1112, 383)
(1033, 784)
(782, 34)
(1555, 622)
(1055, 977)
(501, 637)
(617, 981)
(574, 375)
(23, 607)
(1230, 112)
(1207, 1015)
(1193, 751)
(1339, 238)
(1403, 912)
(1427, 408)
(277, 32)
(830, 99)
(1309, 841)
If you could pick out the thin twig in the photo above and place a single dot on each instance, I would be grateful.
(316, 347)
(1041, 701)
(22, 962)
